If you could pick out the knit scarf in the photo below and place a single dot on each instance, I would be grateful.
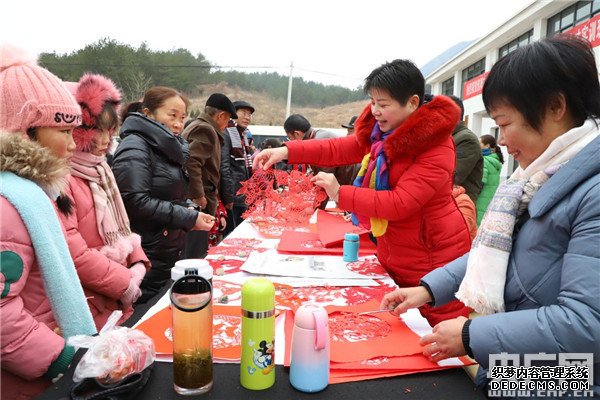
(482, 287)
(111, 218)
(373, 174)
(61, 283)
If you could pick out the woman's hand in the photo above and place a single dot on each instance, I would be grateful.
(402, 299)
(445, 341)
(204, 222)
(268, 157)
(329, 183)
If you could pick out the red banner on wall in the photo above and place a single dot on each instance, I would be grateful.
(474, 86)
(589, 29)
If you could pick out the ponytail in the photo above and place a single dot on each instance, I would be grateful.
(491, 141)
(498, 152)
(135, 106)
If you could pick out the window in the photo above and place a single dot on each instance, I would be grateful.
(448, 87)
(583, 11)
(472, 71)
(511, 46)
(572, 16)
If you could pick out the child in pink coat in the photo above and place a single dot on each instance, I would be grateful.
(108, 257)
(41, 302)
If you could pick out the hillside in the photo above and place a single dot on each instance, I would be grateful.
(272, 111)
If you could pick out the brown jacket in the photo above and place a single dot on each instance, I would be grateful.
(205, 141)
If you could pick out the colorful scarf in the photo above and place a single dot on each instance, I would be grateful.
(111, 217)
(373, 174)
(61, 282)
(482, 288)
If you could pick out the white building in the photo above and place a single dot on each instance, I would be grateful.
(464, 74)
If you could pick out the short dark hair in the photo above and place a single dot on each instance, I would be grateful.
(271, 143)
(296, 122)
(532, 77)
(459, 103)
(401, 78)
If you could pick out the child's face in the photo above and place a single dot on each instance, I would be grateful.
(58, 140)
(101, 142)
(388, 111)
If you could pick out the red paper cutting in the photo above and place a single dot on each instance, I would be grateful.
(226, 331)
(400, 340)
(411, 362)
(241, 242)
(281, 198)
(229, 266)
(369, 266)
(234, 251)
(295, 297)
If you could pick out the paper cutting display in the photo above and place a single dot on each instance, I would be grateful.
(226, 332)
(357, 342)
(352, 327)
(370, 266)
(281, 198)
(271, 262)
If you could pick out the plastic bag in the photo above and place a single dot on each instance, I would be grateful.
(113, 355)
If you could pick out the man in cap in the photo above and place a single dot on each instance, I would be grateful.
(297, 127)
(239, 159)
(350, 125)
(205, 166)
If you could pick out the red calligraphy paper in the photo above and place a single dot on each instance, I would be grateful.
(294, 242)
(332, 228)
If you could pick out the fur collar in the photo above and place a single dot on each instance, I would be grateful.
(29, 160)
(428, 126)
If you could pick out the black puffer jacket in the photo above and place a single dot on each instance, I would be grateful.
(149, 167)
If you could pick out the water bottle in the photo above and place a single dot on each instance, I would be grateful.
(257, 366)
(309, 364)
(201, 265)
(351, 243)
(191, 299)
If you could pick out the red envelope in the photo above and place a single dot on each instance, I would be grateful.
(293, 242)
(332, 228)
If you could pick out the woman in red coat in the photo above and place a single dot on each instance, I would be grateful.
(404, 190)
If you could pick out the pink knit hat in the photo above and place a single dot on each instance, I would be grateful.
(92, 92)
(31, 96)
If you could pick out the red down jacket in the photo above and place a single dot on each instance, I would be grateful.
(425, 228)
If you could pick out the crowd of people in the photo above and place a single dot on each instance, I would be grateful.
(87, 237)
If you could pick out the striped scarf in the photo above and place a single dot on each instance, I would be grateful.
(111, 217)
(482, 287)
(373, 174)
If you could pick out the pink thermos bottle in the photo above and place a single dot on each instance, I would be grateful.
(309, 364)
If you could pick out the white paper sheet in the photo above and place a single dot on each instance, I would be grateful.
(304, 266)
(241, 277)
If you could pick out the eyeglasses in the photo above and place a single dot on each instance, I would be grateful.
(244, 113)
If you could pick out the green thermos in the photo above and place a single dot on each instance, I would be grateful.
(257, 367)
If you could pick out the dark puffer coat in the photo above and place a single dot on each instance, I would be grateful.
(149, 167)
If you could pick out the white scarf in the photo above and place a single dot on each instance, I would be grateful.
(482, 287)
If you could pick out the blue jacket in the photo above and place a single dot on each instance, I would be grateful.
(552, 292)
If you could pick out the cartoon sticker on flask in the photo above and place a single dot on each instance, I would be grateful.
(264, 356)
